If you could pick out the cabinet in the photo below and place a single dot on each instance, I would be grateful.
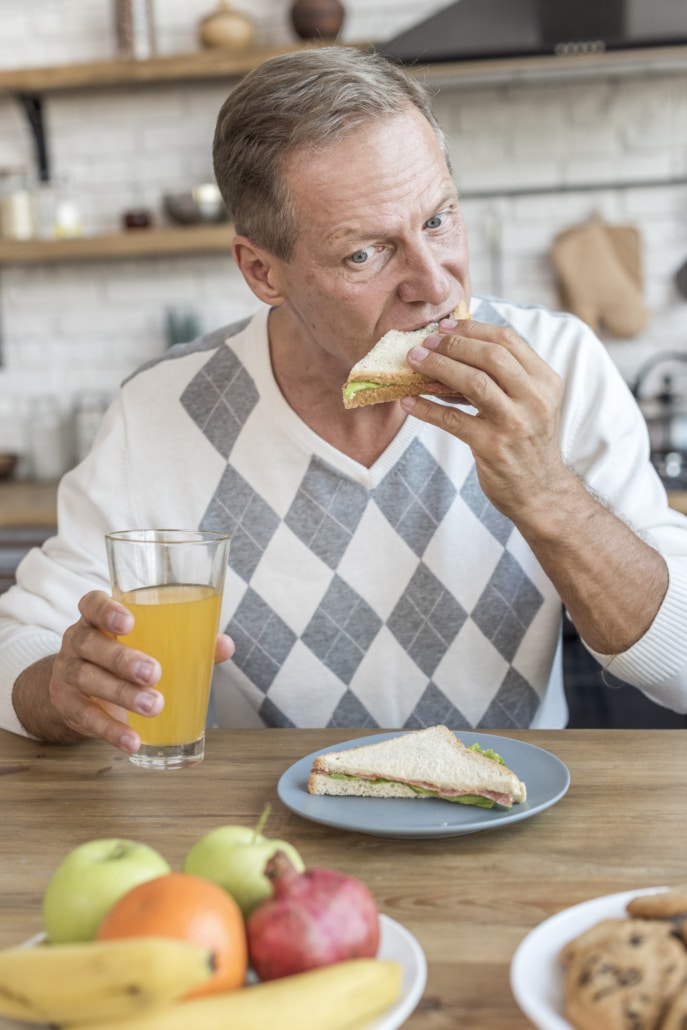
(28, 515)
(14, 544)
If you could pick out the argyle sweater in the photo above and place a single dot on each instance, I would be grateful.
(391, 596)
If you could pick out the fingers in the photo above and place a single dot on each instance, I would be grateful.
(514, 431)
(452, 420)
(101, 610)
(224, 648)
(89, 649)
(481, 368)
(95, 677)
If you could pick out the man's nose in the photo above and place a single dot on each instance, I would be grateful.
(424, 278)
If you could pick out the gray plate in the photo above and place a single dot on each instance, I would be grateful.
(546, 777)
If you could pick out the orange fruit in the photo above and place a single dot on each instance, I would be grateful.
(191, 908)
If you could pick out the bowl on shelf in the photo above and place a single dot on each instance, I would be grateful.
(8, 463)
(200, 205)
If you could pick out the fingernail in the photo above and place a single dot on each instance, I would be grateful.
(120, 623)
(148, 702)
(432, 342)
(408, 403)
(144, 671)
(419, 353)
(129, 742)
(448, 323)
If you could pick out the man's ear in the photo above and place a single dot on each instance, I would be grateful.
(260, 269)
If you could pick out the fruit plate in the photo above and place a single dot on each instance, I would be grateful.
(536, 977)
(546, 777)
(396, 943)
(399, 944)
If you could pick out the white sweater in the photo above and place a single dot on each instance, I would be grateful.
(392, 596)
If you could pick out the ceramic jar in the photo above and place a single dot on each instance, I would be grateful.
(227, 29)
(317, 19)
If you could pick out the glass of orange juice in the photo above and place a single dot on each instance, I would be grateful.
(171, 580)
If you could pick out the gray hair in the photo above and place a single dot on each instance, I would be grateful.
(302, 101)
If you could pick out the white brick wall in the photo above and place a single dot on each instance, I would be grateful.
(68, 328)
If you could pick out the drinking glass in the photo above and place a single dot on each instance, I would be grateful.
(171, 580)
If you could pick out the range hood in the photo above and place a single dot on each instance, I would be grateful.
(483, 29)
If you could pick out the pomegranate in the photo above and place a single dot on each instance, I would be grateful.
(314, 918)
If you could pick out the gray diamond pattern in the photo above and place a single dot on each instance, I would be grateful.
(514, 706)
(223, 378)
(263, 641)
(434, 708)
(351, 712)
(325, 512)
(415, 496)
(273, 716)
(341, 630)
(498, 525)
(426, 620)
(507, 606)
(237, 509)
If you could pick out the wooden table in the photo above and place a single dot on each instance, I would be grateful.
(469, 900)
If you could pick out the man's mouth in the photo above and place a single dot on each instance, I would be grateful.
(458, 312)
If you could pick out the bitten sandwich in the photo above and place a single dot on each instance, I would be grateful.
(385, 375)
(431, 763)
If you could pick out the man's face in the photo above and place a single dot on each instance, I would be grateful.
(381, 243)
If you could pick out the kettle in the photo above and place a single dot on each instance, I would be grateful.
(666, 415)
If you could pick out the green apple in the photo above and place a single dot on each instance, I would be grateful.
(235, 857)
(88, 881)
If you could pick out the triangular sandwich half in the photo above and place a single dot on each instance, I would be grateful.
(385, 375)
(420, 764)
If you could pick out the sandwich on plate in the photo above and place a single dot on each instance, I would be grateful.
(431, 763)
(385, 375)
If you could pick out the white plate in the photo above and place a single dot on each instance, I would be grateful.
(546, 777)
(536, 977)
(399, 944)
(395, 943)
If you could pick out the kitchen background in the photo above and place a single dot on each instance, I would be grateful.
(533, 156)
(67, 327)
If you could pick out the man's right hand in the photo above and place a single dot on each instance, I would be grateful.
(83, 690)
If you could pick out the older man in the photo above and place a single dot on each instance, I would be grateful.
(394, 565)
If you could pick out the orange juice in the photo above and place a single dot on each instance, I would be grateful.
(177, 624)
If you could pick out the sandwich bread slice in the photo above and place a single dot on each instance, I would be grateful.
(385, 375)
(420, 764)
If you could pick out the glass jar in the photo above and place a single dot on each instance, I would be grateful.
(134, 29)
(17, 213)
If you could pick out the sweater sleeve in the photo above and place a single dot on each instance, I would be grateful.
(50, 581)
(605, 440)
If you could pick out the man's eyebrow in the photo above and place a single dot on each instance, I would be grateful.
(360, 234)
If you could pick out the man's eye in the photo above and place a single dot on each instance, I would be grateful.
(361, 256)
(435, 222)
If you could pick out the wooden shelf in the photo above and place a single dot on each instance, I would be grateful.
(199, 239)
(193, 67)
(516, 70)
(27, 503)
(30, 84)
(211, 65)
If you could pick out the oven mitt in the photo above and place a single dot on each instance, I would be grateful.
(600, 278)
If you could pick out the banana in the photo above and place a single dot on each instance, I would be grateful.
(98, 980)
(343, 996)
